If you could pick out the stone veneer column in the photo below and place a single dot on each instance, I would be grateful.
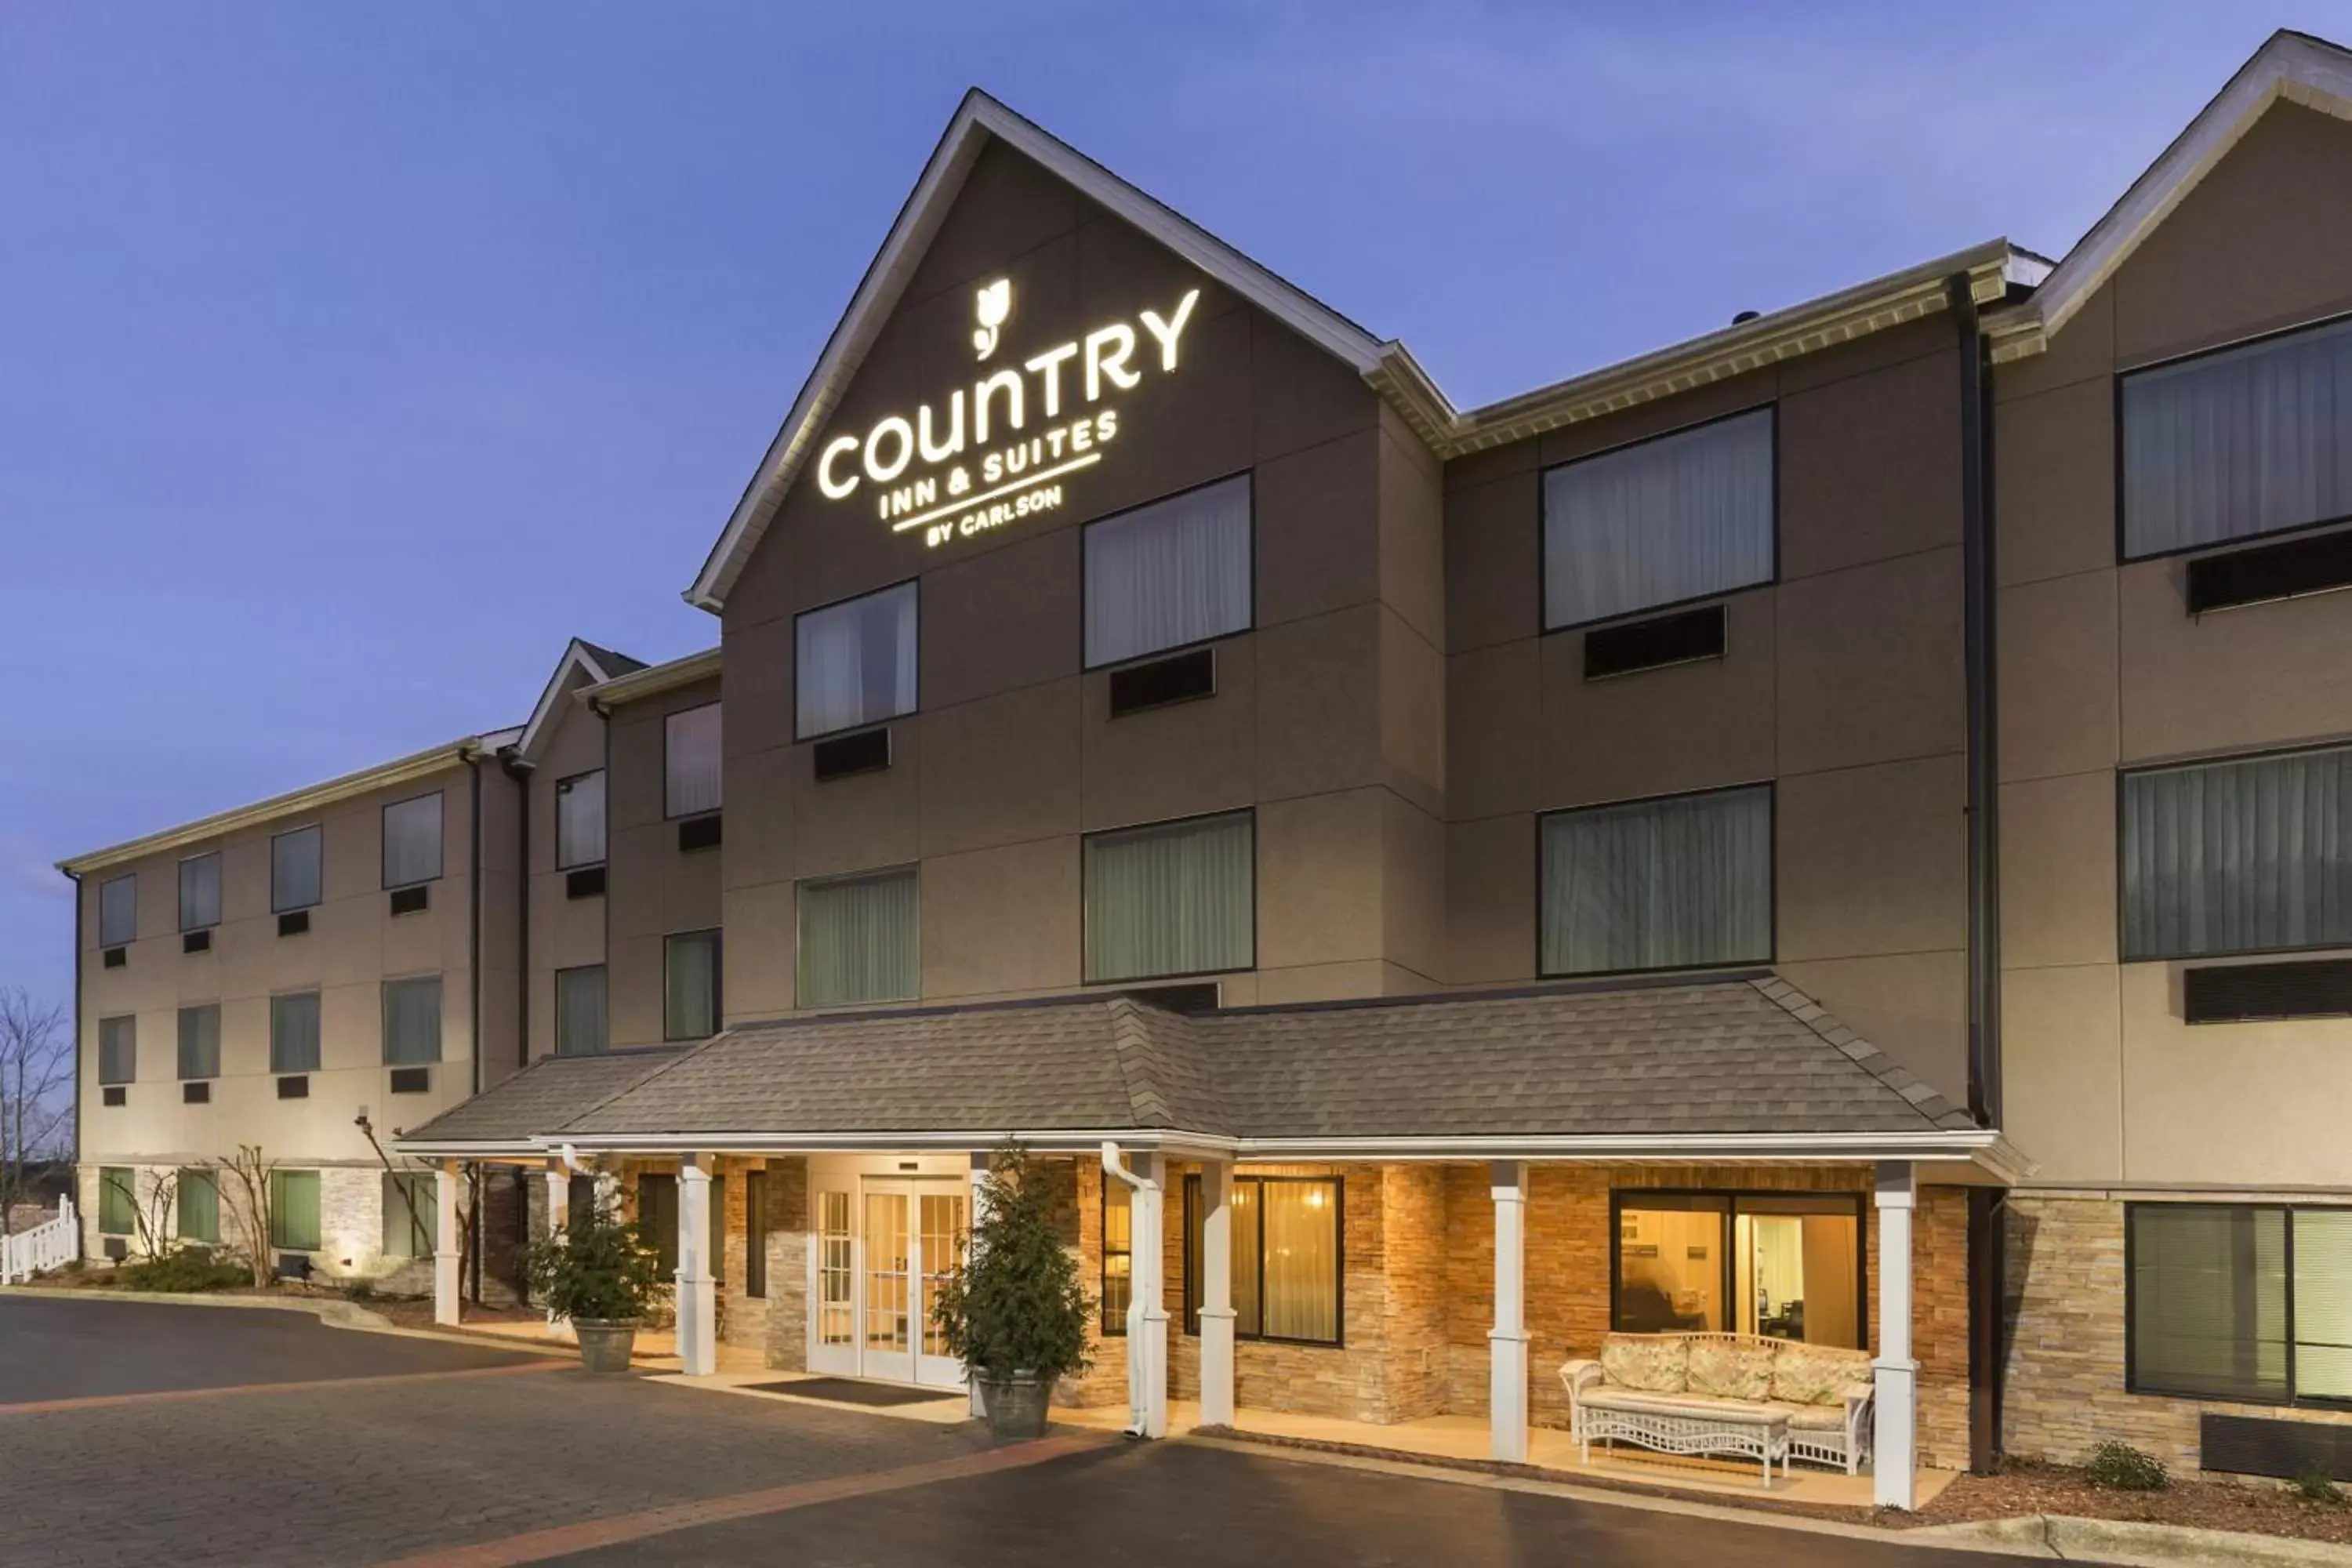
(1507, 1341)
(1894, 1448)
(448, 1245)
(1217, 1315)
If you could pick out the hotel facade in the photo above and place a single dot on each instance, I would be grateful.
(1838, 830)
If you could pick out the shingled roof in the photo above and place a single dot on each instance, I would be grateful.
(541, 1097)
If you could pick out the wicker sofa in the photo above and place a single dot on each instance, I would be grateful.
(1719, 1393)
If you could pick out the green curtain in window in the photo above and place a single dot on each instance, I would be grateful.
(118, 1049)
(580, 1027)
(411, 1215)
(117, 1207)
(199, 1206)
(1661, 884)
(200, 893)
(1175, 899)
(411, 841)
(200, 1041)
(412, 1021)
(294, 1032)
(857, 940)
(2323, 1303)
(2238, 857)
(295, 870)
(294, 1210)
(691, 985)
(118, 911)
(2209, 1300)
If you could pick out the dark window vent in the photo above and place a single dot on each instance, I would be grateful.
(588, 882)
(293, 923)
(1178, 679)
(1678, 638)
(2244, 993)
(698, 832)
(2257, 1446)
(409, 901)
(116, 957)
(411, 1081)
(2286, 570)
(296, 1087)
(867, 751)
(118, 1248)
(1192, 996)
(196, 941)
(293, 1266)
(114, 1094)
(196, 1093)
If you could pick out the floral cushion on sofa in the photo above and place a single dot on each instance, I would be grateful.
(1656, 1363)
(1731, 1369)
(1816, 1375)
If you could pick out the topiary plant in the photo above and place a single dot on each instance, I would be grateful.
(1017, 1306)
(2123, 1468)
(598, 1268)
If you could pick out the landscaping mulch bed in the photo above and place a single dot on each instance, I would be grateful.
(2258, 1508)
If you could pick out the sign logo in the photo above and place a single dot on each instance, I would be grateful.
(996, 450)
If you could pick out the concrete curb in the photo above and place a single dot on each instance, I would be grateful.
(2122, 1541)
(333, 1313)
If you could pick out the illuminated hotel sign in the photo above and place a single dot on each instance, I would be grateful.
(1000, 447)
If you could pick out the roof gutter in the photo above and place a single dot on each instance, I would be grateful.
(1979, 650)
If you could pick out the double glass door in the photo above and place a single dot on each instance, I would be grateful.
(882, 1253)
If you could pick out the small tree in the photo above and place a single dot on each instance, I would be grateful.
(152, 1212)
(35, 1093)
(1017, 1305)
(246, 1196)
(598, 1268)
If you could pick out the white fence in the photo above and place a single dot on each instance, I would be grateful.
(48, 1245)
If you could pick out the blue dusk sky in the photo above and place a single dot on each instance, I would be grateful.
(353, 357)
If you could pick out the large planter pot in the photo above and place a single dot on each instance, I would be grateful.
(606, 1344)
(1016, 1404)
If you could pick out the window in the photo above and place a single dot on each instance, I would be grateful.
(1287, 1269)
(200, 1041)
(714, 1260)
(118, 1207)
(1179, 898)
(296, 870)
(412, 1021)
(755, 1234)
(118, 911)
(294, 1032)
(1169, 574)
(294, 1210)
(2238, 857)
(118, 1049)
(2250, 440)
(657, 1217)
(1118, 1253)
(412, 1213)
(690, 762)
(2240, 1302)
(836, 1272)
(1678, 883)
(856, 662)
(580, 1015)
(1787, 1266)
(580, 821)
(200, 892)
(199, 1206)
(857, 940)
(411, 841)
(690, 981)
(1683, 517)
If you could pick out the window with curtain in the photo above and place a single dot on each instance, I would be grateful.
(581, 1020)
(297, 868)
(118, 1206)
(2238, 856)
(580, 820)
(412, 1215)
(412, 1021)
(294, 1210)
(755, 1234)
(200, 892)
(690, 982)
(2241, 1301)
(657, 1217)
(1177, 898)
(118, 910)
(200, 1041)
(690, 762)
(198, 1201)
(1286, 1271)
(411, 841)
(294, 1032)
(858, 940)
(1785, 1266)
(1169, 574)
(2251, 440)
(1682, 517)
(118, 1049)
(1117, 1291)
(1661, 884)
(856, 662)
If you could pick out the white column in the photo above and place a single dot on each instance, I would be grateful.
(698, 1306)
(1217, 1293)
(1507, 1341)
(1148, 1244)
(1896, 1375)
(447, 1244)
(981, 1164)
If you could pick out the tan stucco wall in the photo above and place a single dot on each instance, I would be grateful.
(565, 932)
(652, 888)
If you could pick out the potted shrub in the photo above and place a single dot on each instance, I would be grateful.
(1015, 1313)
(598, 1272)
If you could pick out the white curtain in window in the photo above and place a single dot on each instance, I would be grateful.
(118, 911)
(858, 940)
(294, 1032)
(411, 1215)
(1659, 884)
(2323, 1303)
(2238, 857)
(200, 892)
(1302, 1260)
(690, 986)
(294, 870)
(580, 821)
(690, 761)
(118, 1049)
(1677, 518)
(2239, 443)
(856, 662)
(2209, 1299)
(411, 841)
(1178, 899)
(200, 1041)
(1173, 573)
(412, 1021)
(580, 1017)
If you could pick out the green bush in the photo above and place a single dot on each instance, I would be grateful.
(184, 1270)
(2317, 1486)
(359, 1290)
(599, 1268)
(1017, 1305)
(2123, 1468)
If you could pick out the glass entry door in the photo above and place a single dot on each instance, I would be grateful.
(875, 1285)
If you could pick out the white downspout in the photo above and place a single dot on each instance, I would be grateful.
(1147, 1312)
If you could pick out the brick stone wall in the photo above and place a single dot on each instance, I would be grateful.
(786, 1322)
